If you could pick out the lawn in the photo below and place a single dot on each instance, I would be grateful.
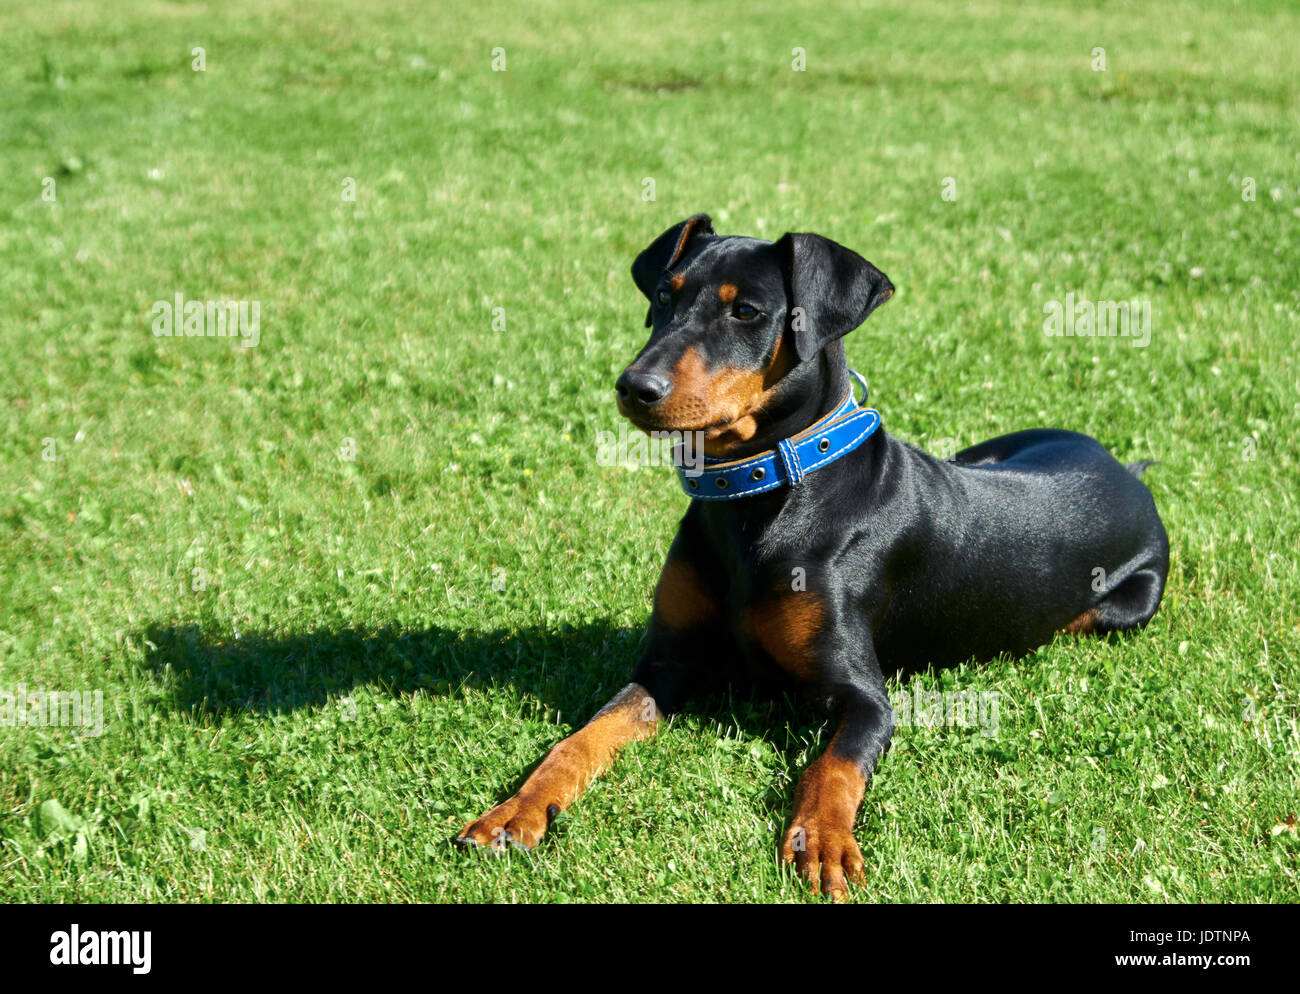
(339, 591)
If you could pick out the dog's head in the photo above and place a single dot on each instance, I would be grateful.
(737, 324)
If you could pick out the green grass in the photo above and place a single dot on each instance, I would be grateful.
(350, 686)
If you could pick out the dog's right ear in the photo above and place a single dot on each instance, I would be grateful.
(664, 253)
(833, 290)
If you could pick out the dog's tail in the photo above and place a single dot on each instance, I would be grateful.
(1140, 467)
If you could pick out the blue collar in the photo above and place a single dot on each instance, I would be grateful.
(822, 442)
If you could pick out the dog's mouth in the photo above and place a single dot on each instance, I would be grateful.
(724, 404)
(719, 434)
(648, 423)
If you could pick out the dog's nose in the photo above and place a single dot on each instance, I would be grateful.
(641, 389)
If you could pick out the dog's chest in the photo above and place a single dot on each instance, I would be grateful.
(775, 614)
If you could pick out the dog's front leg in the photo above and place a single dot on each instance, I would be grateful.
(565, 772)
(820, 839)
(678, 639)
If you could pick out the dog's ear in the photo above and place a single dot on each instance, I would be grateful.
(665, 251)
(832, 288)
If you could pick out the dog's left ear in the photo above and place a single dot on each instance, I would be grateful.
(833, 289)
(664, 252)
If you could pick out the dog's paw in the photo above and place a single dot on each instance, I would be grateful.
(517, 823)
(826, 855)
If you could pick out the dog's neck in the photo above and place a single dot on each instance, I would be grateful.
(828, 376)
(777, 521)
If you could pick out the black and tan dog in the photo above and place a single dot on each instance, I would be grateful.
(822, 572)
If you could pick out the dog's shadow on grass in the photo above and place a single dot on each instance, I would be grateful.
(273, 673)
(572, 670)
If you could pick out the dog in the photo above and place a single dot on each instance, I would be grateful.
(818, 552)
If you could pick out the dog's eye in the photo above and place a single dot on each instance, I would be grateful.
(745, 312)
(665, 297)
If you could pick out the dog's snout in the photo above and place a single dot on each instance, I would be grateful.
(642, 389)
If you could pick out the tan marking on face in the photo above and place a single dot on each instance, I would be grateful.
(681, 600)
(787, 629)
(727, 292)
(778, 365)
(723, 403)
(677, 281)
